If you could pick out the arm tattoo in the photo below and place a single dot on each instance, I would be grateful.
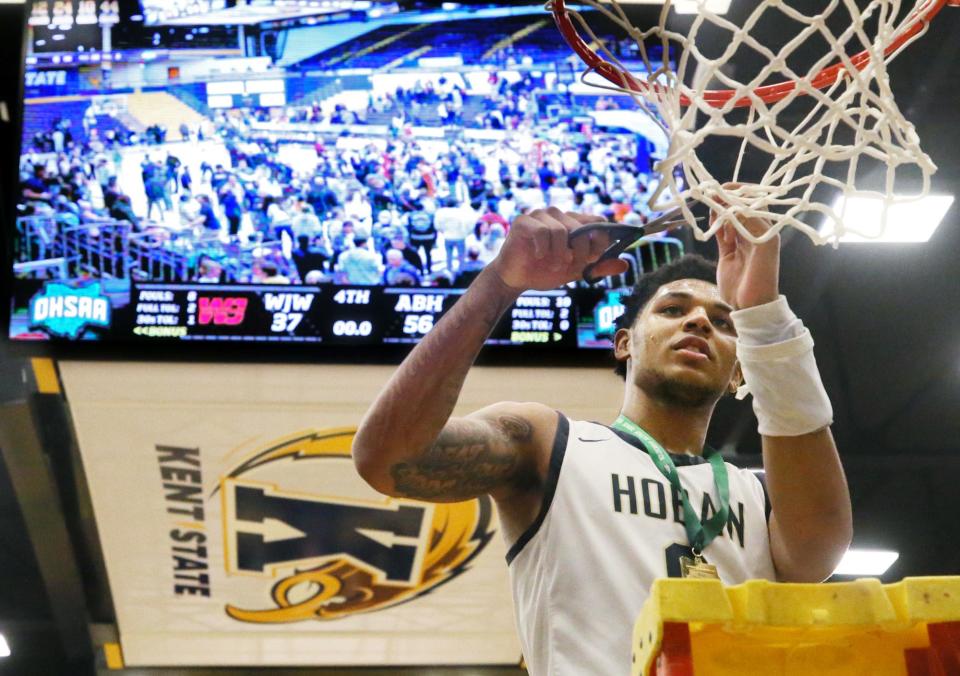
(468, 459)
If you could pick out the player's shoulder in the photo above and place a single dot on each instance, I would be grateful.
(754, 477)
(531, 414)
(552, 418)
(532, 426)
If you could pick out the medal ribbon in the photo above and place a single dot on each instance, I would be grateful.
(699, 534)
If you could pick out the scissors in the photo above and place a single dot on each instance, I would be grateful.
(626, 236)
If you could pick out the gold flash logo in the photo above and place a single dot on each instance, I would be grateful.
(336, 555)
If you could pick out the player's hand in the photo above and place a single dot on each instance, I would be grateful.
(748, 274)
(536, 254)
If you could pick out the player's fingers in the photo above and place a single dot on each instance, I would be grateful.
(727, 236)
(598, 241)
(541, 241)
(754, 225)
(562, 218)
(726, 240)
(550, 239)
(739, 230)
(588, 248)
(560, 253)
(595, 243)
(579, 245)
(611, 267)
(532, 228)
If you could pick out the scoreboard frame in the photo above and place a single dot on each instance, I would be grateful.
(320, 324)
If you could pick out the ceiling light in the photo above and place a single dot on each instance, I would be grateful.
(692, 6)
(870, 562)
(908, 221)
(4, 648)
(686, 6)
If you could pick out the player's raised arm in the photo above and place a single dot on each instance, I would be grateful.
(407, 444)
(811, 524)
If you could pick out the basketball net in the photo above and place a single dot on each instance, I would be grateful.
(851, 138)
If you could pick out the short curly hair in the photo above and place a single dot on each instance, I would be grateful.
(689, 266)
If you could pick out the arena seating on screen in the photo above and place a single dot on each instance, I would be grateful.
(306, 90)
(42, 117)
(468, 39)
(371, 43)
(107, 123)
(194, 95)
(182, 104)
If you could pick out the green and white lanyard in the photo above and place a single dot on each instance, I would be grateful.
(699, 534)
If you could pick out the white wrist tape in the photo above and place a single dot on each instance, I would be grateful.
(776, 356)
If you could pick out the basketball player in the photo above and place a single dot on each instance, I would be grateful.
(593, 513)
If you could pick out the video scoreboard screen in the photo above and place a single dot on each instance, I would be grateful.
(333, 315)
(65, 26)
(334, 199)
(158, 11)
(66, 14)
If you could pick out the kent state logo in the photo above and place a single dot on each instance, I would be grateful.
(65, 311)
(298, 513)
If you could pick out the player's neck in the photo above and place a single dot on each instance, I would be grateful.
(678, 429)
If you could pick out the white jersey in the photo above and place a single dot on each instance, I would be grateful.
(609, 525)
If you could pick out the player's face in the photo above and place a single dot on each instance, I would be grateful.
(682, 347)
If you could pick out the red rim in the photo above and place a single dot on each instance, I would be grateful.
(918, 20)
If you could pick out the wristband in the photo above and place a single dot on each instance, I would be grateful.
(775, 351)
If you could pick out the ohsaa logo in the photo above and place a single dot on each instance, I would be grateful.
(65, 311)
(297, 512)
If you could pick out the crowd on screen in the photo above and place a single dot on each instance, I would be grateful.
(425, 103)
(365, 216)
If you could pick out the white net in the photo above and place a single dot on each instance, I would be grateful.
(828, 135)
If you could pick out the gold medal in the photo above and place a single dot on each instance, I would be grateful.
(697, 569)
